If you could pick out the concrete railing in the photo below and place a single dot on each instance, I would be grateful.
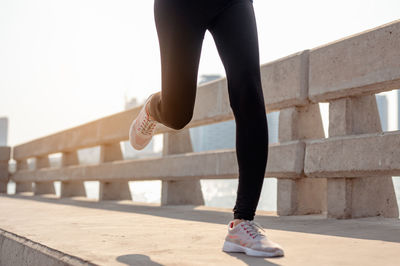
(345, 175)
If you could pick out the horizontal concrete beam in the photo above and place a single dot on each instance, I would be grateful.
(17, 250)
(285, 81)
(365, 63)
(375, 154)
(110, 129)
(285, 160)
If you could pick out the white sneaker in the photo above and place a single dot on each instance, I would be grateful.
(142, 128)
(247, 237)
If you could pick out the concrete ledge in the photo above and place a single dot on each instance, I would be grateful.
(109, 129)
(17, 250)
(374, 154)
(365, 63)
(285, 81)
(285, 160)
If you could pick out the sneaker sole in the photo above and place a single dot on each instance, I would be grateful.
(232, 247)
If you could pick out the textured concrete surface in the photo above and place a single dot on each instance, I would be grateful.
(285, 81)
(180, 192)
(126, 233)
(361, 196)
(71, 188)
(300, 195)
(17, 250)
(367, 62)
(375, 154)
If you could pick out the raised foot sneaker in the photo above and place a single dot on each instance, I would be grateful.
(248, 237)
(142, 128)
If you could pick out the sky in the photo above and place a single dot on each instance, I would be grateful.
(65, 63)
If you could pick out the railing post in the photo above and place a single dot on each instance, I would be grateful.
(180, 192)
(4, 158)
(23, 186)
(71, 188)
(298, 196)
(363, 196)
(113, 190)
(45, 187)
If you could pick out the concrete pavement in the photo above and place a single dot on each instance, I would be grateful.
(128, 233)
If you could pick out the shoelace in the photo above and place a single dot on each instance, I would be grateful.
(254, 229)
(147, 126)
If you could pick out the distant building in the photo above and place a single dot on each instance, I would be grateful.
(222, 135)
(273, 127)
(3, 131)
(382, 103)
(208, 77)
(132, 103)
(215, 136)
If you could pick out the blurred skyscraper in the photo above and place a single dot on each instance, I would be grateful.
(215, 136)
(273, 124)
(132, 103)
(222, 135)
(209, 77)
(3, 131)
(382, 102)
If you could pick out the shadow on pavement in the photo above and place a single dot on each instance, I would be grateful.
(140, 259)
(373, 228)
(134, 259)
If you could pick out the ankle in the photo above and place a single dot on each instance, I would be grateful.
(237, 221)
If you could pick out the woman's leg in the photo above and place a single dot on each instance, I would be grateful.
(180, 35)
(235, 33)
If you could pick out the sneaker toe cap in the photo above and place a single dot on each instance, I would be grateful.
(136, 140)
(268, 246)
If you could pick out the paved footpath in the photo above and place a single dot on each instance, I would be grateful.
(127, 233)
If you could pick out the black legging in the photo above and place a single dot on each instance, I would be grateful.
(181, 25)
